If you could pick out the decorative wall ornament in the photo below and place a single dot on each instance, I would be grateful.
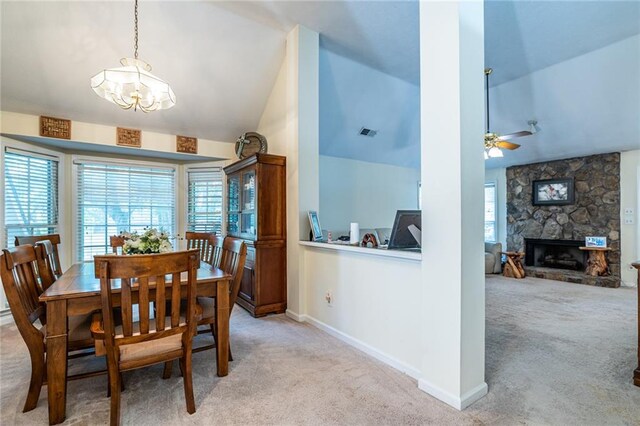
(129, 137)
(250, 143)
(186, 144)
(52, 127)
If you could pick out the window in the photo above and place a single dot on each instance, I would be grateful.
(490, 212)
(116, 197)
(30, 194)
(204, 200)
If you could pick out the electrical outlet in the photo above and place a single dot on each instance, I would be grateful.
(628, 211)
(328, 297)
(628, 220)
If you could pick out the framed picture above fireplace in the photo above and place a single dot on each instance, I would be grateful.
(553, 192)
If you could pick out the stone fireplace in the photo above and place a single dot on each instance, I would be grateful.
(550, 235)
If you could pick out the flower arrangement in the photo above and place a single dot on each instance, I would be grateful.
(151, 241)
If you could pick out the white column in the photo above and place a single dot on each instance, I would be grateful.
(452, 111)
(303, 154)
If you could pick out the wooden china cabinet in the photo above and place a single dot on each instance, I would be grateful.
(256, 212)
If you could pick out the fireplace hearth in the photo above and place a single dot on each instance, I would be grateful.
(556, 254)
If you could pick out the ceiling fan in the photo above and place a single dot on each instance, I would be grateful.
(494, 142)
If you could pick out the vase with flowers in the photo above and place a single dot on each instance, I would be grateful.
(150, 241)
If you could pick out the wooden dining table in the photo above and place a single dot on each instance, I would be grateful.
(77, 292)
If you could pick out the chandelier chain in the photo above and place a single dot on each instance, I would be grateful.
(135, 43)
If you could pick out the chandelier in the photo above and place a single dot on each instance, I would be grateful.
(132, 85)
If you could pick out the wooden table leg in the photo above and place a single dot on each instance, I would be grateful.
(57, 360)
(222, 327)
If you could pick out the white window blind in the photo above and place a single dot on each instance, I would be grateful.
(490, 212)
(204, 200)
(115, 197)
(30, 194)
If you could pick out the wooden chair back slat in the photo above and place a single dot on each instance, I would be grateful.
(143, 303)
(55, 242)
(146, 272)
(217, 244)
(175, 299)
(127, 306)
(116, 242)
(200, 241)
(160, 307)
(234, 255)
(47, 272)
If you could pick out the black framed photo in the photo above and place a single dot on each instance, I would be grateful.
(316, 229)
(553, 192)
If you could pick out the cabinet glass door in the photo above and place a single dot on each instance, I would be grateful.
(233, 210)
(248, 216)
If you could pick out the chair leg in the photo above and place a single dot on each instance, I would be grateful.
(168, 366)
(185, 366)
(37, 378)
(115, 384)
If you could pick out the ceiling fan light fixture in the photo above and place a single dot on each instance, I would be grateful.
(533, 128)
(132, 85)
(495, 152)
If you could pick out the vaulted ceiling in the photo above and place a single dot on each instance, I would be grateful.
(222, 58)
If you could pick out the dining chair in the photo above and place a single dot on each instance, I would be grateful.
(200, 241)
(56, 266)
(167, 336)
(46, 270)
(232, 259)
(116, 242)
(217, 244)
(18, 273)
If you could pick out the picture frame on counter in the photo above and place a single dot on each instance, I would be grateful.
(316, 229)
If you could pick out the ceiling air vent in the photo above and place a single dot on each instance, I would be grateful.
(367, 132)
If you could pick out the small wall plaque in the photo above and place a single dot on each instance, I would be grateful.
(186, 144)
(129, 137)
(52, 127)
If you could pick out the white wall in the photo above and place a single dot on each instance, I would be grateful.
(363, 192)
(375, 303)
(629, 198)
(499, 178)
(12, 123)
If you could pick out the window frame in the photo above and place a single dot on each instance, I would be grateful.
(185, 180)
(62, 205)
(493, 184)
(121, 162)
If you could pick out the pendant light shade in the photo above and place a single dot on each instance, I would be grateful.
(132, 85)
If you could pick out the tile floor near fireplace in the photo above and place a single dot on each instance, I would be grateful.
(561, 260)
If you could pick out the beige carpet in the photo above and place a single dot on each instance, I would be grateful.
(557, 353)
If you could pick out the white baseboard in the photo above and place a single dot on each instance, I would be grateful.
(295, 316)
(457, 402)
(358, 344)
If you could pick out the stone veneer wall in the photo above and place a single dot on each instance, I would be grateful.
(596, 210)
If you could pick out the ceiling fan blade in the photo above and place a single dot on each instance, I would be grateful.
(507, 145)
(515, 135)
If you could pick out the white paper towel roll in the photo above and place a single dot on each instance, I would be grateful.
(355, 233)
